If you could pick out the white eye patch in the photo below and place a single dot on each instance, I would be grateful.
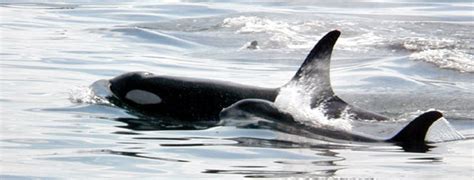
(143, 97)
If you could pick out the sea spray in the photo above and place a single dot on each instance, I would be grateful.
(296, 101)
(94, 94)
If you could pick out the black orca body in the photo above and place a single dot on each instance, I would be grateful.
(190, 100)
(200, 99)
(411, 137)
(182, 98)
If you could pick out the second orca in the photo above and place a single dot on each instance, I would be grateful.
(190, 99)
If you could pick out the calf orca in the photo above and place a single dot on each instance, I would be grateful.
(202, 100)
(411, 137)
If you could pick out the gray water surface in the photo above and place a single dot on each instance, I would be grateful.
(397, 58)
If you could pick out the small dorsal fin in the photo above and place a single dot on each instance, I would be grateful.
(415, 131)
(313, 75)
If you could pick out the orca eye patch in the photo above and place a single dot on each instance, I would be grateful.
(143, 97)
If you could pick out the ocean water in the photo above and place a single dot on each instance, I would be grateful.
(397, 58)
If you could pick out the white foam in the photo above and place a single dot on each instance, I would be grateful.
(253, 24)
(94, 94)
(282, 34)
(443, 52)
(361, 43)
(449, 59)
(296, 101)
(83, 94)
(253, 45)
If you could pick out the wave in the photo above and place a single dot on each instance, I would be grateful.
(281, 34)
(96, 93)
(165, 40)
(443, 52)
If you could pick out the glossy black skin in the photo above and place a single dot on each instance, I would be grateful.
(201, 100)
(185, 98)
(192, 100)
(411, 137)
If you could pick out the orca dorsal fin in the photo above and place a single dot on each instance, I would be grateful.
(313, 75)
(415, 131)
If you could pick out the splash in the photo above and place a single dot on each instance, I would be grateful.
(94, 94)
(365, 42)
(447, 59)
(296, 101)
(253, 45)
(282, 34)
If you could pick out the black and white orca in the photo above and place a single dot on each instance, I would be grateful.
(202, 99)
(269, 116)
(190, 99)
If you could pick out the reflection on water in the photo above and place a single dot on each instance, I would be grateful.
(160, 125)
(153, 124)
(133, 154)
(274, 174)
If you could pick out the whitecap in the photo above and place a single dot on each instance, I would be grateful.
(447, 59)
(443, 52)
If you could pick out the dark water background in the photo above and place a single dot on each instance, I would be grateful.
(397, 58)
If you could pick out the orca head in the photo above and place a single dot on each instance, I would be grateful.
(131, 87)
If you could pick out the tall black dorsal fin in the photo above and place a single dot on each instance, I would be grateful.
(313, 75)
(415, 131)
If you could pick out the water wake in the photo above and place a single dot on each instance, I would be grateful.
(297, 102)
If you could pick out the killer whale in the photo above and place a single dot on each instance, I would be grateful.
(192, 100)
(411, 137)
(202, 100)
(180, 98)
